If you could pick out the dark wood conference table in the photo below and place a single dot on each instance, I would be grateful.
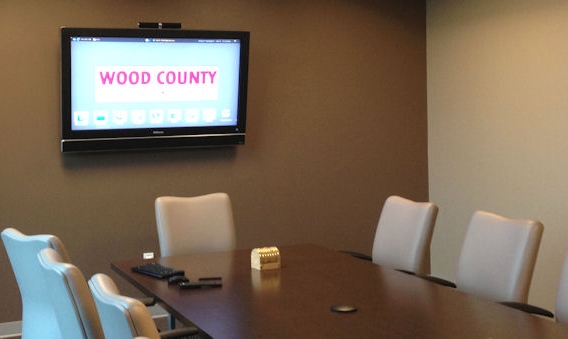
(295, 301)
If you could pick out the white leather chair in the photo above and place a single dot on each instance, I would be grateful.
(189, 225)
(200, 224)
(38, 319)
(498, 257)
(124, 317)
(403, 235)
(71, 299)
(561, 306)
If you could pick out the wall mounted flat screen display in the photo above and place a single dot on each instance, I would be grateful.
(152, 88)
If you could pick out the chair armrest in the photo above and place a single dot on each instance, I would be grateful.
(528, 308)
(438, 281)
(179, 332)
(148, 301)
(358, 255)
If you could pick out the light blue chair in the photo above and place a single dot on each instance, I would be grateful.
(38, 319)
(125, 317)
(71, 299)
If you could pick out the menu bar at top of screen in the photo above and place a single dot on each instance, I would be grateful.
(148, 39)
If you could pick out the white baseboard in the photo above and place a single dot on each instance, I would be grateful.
(12, 329)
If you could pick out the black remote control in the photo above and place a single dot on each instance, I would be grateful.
(200, 284)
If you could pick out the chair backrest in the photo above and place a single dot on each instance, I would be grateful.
(498, 257)
(403, 235)
(38, 319)
(200, 224)
(561, 309)
(121, 316)
(71, 298)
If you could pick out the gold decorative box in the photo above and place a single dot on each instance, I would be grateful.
(265, 258)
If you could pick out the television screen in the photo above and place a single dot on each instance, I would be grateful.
(152, 88)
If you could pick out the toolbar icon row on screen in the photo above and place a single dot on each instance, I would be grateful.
(152, 116)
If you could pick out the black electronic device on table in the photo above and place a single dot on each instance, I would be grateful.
(203, 282)
(157, 270)
(176, 279)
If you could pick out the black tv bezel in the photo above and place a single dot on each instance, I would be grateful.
(149, 138)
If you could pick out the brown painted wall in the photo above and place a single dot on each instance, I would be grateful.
(336, 122)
